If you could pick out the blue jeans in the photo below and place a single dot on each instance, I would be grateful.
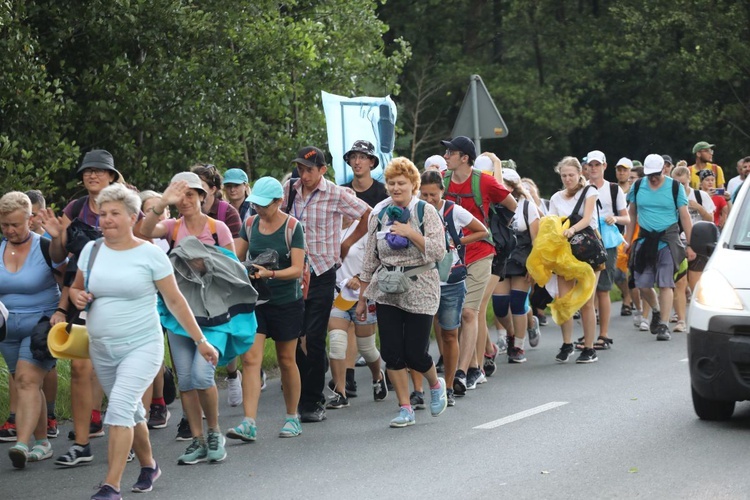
(193, 371)
(451, 303)
(17, 343)
(125, 372)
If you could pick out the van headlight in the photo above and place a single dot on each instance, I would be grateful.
(714, 291)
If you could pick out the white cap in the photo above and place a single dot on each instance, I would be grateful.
(624, 162)
(596, 155)
(653, 164)
(484, 163)
(511, 175)
(436, 161)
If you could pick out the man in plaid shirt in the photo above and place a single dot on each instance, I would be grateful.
(319, 205)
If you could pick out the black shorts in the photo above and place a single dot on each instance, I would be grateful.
(281, 322)
(499, 264)
(698, 264)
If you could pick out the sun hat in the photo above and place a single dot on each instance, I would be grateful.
(235, 176)
(98, 158)
(193, 181)
(365, 147)
(265, 190)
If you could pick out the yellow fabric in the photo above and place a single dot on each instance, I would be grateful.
(551, 253)
(622, 259)
(695, 181)
(68, 346)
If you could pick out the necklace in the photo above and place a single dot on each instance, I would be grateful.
(12, 252)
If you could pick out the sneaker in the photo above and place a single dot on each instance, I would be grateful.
(502, 345)
(489, 365)
(472, 378)
(75, 456)
(96, 430)
(131, 455)
(450, 397)
(292, 428)
(216, 450)
(679, 327)
(637, 318)
(459, 383)
(234, 390)
(246, 432)
(577, 315)
(655, 322)
(533, 332)
(183, 431)
(416, 399)
(19, 455)
(440, 366)
(313, 414)
(351, 388)
(662, 332)
(146, 479)
(263, 378)
(542, 319)
(40, 451)
(380, 388)
(8, 432)
(337, 402)
(587, 355)
(482, 377)
(565, 352)
(195, 452)
(438, 398)
(516, 355)
(644, 326)
(360, 361)
(52, 430)
(405, 418)
(674, 318)
(106, 492)
(158, 417)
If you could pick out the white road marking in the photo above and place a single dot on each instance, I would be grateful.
(520, 415)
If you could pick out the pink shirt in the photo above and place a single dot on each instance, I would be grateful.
(222, 232)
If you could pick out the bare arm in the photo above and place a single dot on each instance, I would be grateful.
(630, 230)
(358, 232)
(478, 232)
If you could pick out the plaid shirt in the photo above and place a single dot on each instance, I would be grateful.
(320, 215)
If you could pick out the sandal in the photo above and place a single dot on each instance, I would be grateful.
(626, 310)
(40, 451)
(603, 343)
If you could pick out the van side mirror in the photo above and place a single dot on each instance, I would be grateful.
(703, 238)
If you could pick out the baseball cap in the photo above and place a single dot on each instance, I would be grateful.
(511, 175)
(365, 147)
(484, 163)
(265, 190)
(347, 298)
(192, 179)
(436, 161)
(653, 164)
(596, 155)
(98, 158)
(705, 174)
(624, 162)
(235, 176)
(702, 145)
(636, 163)
(463, 144)
(310, 156)
(667, 159)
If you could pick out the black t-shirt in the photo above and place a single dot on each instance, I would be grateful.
(372, 195)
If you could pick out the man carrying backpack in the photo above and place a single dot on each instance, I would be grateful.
(466, 186)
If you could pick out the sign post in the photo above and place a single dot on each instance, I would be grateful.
(479, 117)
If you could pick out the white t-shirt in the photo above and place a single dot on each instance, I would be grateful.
(352, 264)
(562, 206)
(461, 219)
(707, 203)
(605, 198)
(734, 184)
(519, 223)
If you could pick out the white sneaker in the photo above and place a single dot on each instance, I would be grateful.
(234, 390)
(680, 327)
(644, 326)
(637, 318)
(262, 379)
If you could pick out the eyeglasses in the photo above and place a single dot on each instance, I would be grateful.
(709, 151)
(94, 172)
(257, 207)
(449, 152)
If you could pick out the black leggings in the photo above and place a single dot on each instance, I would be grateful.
(404, 338)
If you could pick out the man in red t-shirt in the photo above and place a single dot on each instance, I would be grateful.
(460, 155)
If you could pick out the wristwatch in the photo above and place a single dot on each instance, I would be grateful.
(203, 340)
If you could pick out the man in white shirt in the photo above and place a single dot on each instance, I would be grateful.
(743, 166)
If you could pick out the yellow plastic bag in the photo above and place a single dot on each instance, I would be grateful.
(551, 253)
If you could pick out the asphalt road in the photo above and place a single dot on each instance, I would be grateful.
(620, 428)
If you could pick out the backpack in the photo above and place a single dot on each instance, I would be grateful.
(497, 218)
(291, 225)
(613, 192)
(458, 272)
(211, 226)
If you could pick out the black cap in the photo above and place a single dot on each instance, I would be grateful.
(310, 156)
(667, 159)
(98, 158)
(365, 147)
(463, 144)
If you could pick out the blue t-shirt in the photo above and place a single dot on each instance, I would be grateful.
(122, 282)
(656, 208)
(32, 289)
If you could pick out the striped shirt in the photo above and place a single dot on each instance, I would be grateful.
(320, 214)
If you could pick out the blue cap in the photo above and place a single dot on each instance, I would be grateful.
(265, 190)
(235, 176)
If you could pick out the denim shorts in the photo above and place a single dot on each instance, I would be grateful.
(17, 343)
(451, 303)
(351, 314)
(193, 371)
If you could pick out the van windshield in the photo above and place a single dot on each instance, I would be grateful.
(740, 237)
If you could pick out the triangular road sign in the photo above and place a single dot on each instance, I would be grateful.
(478, 103)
